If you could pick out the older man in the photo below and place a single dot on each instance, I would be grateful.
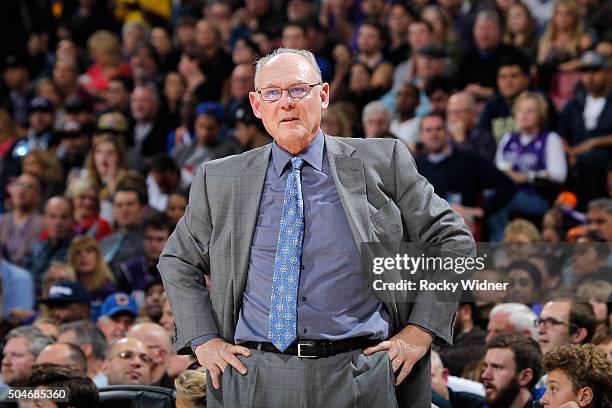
(155, 337)
(511, 318)
(92, 342)
(127, 362)
(64, 354)
(333, 194)
(22, 346)
(461, 113)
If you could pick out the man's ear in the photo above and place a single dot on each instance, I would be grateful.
(525, 377)
(324, 95)
(87, 349)
(579, 335)
(255, 103)
(585, 396)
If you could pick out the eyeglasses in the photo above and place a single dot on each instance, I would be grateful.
(296, 91)
(129, 354)
(550, 322)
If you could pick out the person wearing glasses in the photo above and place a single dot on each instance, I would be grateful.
(289, 319)
(564, 322)
(127, 362)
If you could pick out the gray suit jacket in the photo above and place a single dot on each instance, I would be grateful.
(384, 199)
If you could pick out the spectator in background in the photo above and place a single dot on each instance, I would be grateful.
(512, 367)
(21, 347)
(21, 227)
(420, 34)
(430, 64)
(58, 226)
(136, 273)
(44, 165)
(563, 41)
(599, 218)
(207, 144)
(117, 315)
(90, 339)
(167, 320)
(92, 272)
(159, 348)
(335, 121)
(82, 391)
(151, 129)
(468, 341)
(177, 203)
(406, 125)
(86, 209)
(521, 30)
(191, 388)
(241, 83)
(511, 318)
(461, 113)
(439, 89)
(370, 45)
(250, 131)
(597, 293)
(162, 180)
(398, 21)
(376, 120)
(106, 165)
(579, 374)
(478, 66)
(129, 202)
(460, 177)
(75, 142)
(173, 90)
(565, 322)
(64, 354)
(105, 50)
(443, 33)
(443, 395)
(18, 90)
(524, 283)
(154, 297)
(9, 132)
(127, 362)
(586, 124)
(244, 51)
(144, 66)
(67, 301)
(117, 96)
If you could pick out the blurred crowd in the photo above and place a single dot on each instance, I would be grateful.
(107, 107)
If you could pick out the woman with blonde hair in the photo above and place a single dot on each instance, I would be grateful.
(564, 39)
(86, 209)
(191, 389)
(92, 272)
(105, 165)
(105, 49)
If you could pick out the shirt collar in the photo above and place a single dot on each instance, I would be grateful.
(313, 155)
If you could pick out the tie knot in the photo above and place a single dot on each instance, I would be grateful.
(297, 163)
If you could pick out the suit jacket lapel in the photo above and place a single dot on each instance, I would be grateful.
(349, 175)
(250, 190)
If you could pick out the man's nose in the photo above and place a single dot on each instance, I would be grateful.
(286, 101)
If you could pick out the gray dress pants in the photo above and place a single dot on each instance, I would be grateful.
(347, 380)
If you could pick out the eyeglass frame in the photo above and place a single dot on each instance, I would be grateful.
(310, 86)
(129, 355)
(551, 322)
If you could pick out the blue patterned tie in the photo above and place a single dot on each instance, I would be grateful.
(282, 329)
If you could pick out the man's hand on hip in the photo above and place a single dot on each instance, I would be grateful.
(216, 354)
(405, 349)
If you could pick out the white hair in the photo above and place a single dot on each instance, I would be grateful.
(307, 55)
(521, 317)
(374, 107)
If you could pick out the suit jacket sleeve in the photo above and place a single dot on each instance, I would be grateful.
(429, 219)
(182, 265)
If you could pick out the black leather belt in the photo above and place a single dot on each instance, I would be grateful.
(316, 348)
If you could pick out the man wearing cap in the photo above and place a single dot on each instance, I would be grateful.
(250, 131)
(68, 301)
(74, 146)
(117, 315)
(586, 124)
(207, 143)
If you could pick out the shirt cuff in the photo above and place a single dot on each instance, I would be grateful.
(201, 340)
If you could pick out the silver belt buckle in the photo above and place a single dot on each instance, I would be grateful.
(305, 343)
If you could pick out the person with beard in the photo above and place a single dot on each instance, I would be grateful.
(154, 300)
(511, 369)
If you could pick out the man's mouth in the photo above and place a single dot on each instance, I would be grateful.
(289, 120)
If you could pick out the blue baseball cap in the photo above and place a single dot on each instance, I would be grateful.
(119, 302)
(213, 109)
(67, 292)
